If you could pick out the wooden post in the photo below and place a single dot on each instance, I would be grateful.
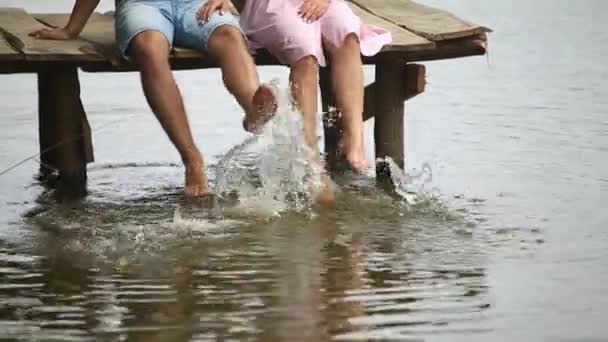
(415, 84)
(389, 109)
(331, 123)
(65, 135)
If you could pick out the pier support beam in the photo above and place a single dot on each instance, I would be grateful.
(389, 111)
(415, 84)
(65, 136)
(331, 122)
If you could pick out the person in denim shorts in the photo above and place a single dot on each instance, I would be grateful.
(145, 32)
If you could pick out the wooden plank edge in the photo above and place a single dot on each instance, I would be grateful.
(453, 48)
(10, 57)
(452, 35)
(456, 48)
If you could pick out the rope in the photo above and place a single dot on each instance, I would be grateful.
(50, 148)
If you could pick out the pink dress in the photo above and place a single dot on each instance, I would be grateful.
(276, 26)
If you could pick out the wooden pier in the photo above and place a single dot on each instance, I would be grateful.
(420, 33)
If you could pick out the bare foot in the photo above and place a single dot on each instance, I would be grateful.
(196, 180)
(264, 107)
(354, 153)
(357, 161)
(326, 197)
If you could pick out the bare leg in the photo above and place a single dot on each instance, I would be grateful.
(150, 52)
(227, 46)
(347, 77)
(304, 79)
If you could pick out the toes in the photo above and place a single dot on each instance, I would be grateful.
(195, 191)
(357, 164)
(264, 105)
(201, 191)
(189, 192)
(265, 101)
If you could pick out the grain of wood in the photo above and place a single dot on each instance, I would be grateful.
(426, 21)
(16, 25)
(403, 40)
(95, 49)
(98, 33)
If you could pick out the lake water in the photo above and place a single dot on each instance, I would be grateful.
(509, 240)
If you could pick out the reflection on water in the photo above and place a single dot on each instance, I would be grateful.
(368, 269)
(158, 267)
(504, 240)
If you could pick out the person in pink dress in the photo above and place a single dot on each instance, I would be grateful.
(306, 34)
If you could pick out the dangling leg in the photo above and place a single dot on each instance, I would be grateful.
(150, 53)
(229, 49)
(304, 79)
(347, 77)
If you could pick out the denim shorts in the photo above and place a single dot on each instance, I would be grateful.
(176, 19)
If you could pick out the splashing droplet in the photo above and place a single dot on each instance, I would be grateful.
(271, 172)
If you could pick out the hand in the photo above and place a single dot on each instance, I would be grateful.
(54, 34)
(312, 10)
(211, 6)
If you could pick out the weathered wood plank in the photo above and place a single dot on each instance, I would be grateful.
(99, 33)
(426, 21)
(403, 40)
(452, 48)
(16, 25)
(95, 49)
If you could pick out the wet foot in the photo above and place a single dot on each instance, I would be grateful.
(264, 107)
(353, 154)
(326, 196)
(357, 162)
(196, 180)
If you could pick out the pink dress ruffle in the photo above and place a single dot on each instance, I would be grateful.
(276, 26)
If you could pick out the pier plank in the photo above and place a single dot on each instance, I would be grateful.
(16, 25)
(98, 33)
(431, 23)
(403, 40)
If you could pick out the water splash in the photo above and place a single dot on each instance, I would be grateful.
(271, 172)
(409, 186)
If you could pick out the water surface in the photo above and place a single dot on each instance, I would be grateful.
(508, 241)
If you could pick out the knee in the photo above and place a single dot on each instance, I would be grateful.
(149, 47)
(351, 41)
(225, 37)
(307, 65)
